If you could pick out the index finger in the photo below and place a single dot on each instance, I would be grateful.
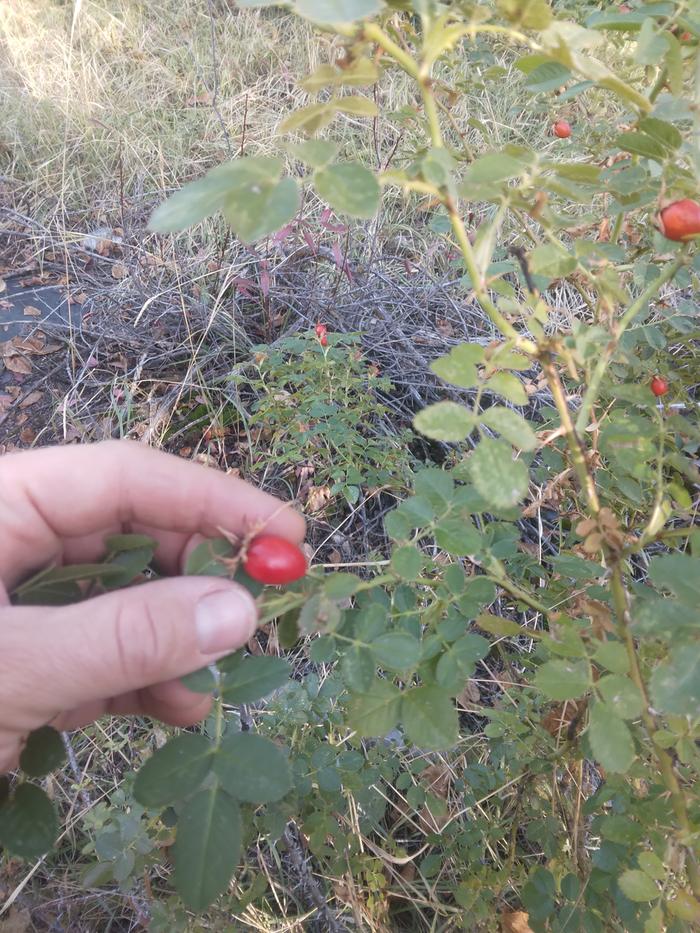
(58, 504)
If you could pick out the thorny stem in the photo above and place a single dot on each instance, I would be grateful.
(578, 453)
(663, 759)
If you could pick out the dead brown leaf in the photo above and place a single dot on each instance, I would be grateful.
(27, 435)
(18, 364)
(17, 921)
(31, 399)
(31, 311)
(470, 694)
(119, 271)
(515, 921)
(317, 498)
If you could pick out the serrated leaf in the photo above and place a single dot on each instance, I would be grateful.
(679, 573)
(613, 656)
(308, 119)
(246, 679)
(349, 188)
(510, 425)
(621, 695)
(549, 76)
(610, 740)
(507, 385)
(260, 209)
(563, 679)
(651, 865)
(458, 663)
(429, 717)
(496, 625)
(340, 585)
(501, 481)
(375, 712)
(314, 152)
(675, 683)
(358, 668)
(28, 822)
(396, 651)
(356, 106)
(206, 559)
(436, 486)
(200, 681)
(458, 535)
(459, 366)
(252, 768)
(553, 262)
(638, 886)
(207, 847)
(174, 771)
(43, 752)
(407, 561)
(445, 421)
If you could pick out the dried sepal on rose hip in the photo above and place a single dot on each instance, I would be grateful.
(273, 560)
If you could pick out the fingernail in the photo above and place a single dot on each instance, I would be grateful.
(225, 620)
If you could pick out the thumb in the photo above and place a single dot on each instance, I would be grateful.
(126, 640)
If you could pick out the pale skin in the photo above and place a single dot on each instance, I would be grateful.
(121, 653)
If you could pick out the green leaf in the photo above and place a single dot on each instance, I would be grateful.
(666, 133)
(118, 543)
(43, 752)
(196, 201)
(651, 865)
(501, 481)
(314, 152)
(512, 426)
(429, 717)
(530, 14)
(610, 740)
(200, 681)
(396, 651)
(675, 683)
(252, 768)
(445, 421)
(174, 771)
(356, 106)
(459, 366)
(407, 561)
(638, 886)
(621, 695)
(509, 386)
(651, 44)
(340, 585)
(249, 678)
(207, 847)
(28, 822)
(679, 573)
(337, 11)
(549, 76)
(308, 119)
(457, 664)
(349, 188)
(642, 145)
(457, 535)
(553, 262)
(260, 209)
(436, 485)
(563, 679)
(613, 655)
(206, 559)
(375, 712)
(496, 625)
(358, 668)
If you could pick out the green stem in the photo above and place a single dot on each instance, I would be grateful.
(627, 318)
(663, 759)
(576, 447)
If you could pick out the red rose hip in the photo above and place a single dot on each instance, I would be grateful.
(321, 330)
(562, 129)
(659, 386)
(274, 560)
(681, 220)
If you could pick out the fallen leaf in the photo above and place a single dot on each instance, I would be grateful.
(31, 311)
(119, 271)
(17, 921)
(317, 498)
(18, 364)
(470, 694)
(27, 435)
(515, 921)
(31, 399)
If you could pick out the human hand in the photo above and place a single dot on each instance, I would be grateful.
(124, 651)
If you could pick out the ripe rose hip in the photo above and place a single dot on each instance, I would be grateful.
(562, 129)
(323, 340)
(659, 386)
(321, 330)
(681, 220)
(274, 560)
